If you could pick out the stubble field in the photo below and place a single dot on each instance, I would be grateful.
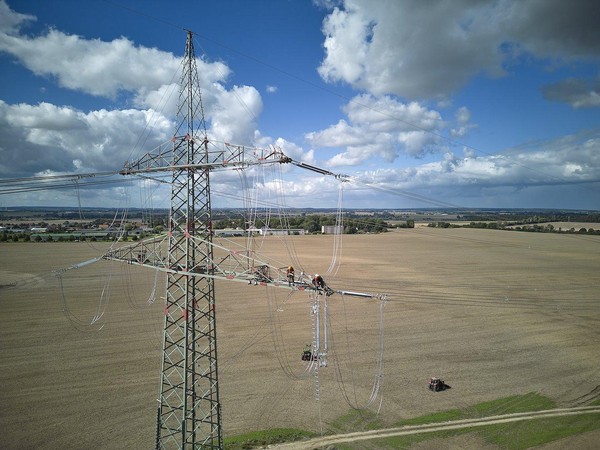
(493, 313)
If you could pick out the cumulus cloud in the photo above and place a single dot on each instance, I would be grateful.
(82, 65)
(570, 160)
(61, 139)
(576, 92)
(94, 66)
(234, 113)
(376, 47)
(54, 136)
(107, 69)
(380, 127)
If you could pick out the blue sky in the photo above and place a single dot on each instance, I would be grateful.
(472, 104)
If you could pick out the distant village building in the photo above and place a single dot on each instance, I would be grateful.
(275, 231)
(254, 230)
(332, 229)
(282, 232)
(39, 230)
(229, 232)
(140, 231)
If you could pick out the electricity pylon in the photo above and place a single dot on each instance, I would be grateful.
(189, 411)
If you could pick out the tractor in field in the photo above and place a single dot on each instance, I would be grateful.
(437, 384)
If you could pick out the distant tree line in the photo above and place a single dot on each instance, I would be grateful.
(26, 236)
(442, 225)
(312, 223)
(508, 226)
(530, 217)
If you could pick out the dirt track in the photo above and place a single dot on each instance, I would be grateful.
(520, 309)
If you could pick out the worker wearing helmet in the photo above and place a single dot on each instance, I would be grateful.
(318, 281)
(290, 275)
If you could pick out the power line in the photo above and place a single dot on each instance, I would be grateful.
(144, 14)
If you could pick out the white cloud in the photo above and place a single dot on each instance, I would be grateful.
(109, 68)
(376, 47)
(44, 116)
(85, 65)
(271, 89)
(234, 113)
(94, 66)
(380, 127)
(397, 47)
(346, 43)
(61, 139)
(565, 161)
(164, 99)
(103, 138)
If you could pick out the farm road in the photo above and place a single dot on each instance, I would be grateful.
(324, 441)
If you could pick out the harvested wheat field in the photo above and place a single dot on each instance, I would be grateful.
(493, 313)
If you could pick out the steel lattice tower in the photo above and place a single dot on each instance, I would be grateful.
(189, 413)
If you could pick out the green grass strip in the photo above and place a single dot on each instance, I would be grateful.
(514, 436)
(263, 438)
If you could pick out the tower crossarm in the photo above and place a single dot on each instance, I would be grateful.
(150, 252)
(223, 263)
(219, 155)
(235, 265)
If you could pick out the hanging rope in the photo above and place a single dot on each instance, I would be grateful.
(78, 324)
(337, 234)
(378, 377)
(282, 209)
(152, 296)
(379, 374)
(279, 343)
